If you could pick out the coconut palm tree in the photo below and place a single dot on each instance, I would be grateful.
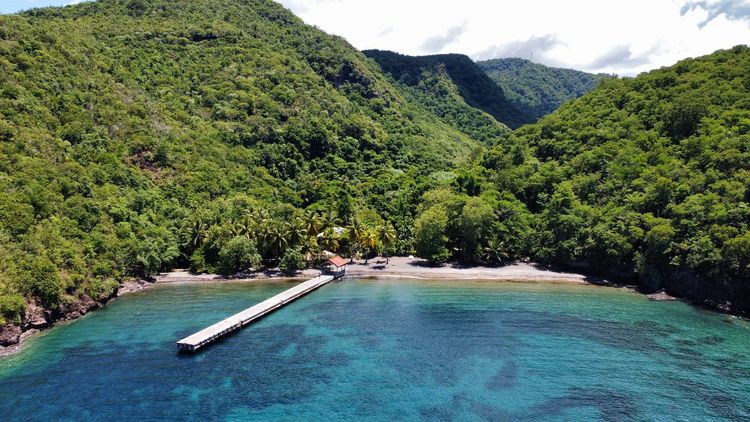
(329, 219)
(330, 240)
(386, 235)
(245, 226)
(198, 232)
(262, 231)
(495, 251)
(354, 235)
(370, 242)
(311, 222)
(278, 239)
(296, 233)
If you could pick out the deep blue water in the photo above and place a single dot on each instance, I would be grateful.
(388, 350)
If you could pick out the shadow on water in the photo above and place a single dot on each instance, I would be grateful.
(504, 379)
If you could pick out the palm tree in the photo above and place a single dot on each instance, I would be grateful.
(262, 232)
(311, 222)
(495, 251)
(310, 247)
(330, 241)
(370, 242)
(386, 235)
(244, 227)
(329, 219)
(314, 250)
(296, 233)
(198, 232)
(278, 239)
(353, 235)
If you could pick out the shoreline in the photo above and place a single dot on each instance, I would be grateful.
(376, 268)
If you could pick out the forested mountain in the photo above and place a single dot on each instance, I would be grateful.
(536, 89)
(139, 135)
(649, 175)
(457, 72)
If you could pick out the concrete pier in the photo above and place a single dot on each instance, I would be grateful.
(237, 321)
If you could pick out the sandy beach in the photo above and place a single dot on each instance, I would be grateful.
(401, 267)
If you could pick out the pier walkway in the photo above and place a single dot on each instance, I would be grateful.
(237, 321)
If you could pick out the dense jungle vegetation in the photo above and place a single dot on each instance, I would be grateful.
(138, 136)
(466, 80)
(536, 89)
(650, 174)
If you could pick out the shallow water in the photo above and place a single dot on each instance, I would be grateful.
(388, 350)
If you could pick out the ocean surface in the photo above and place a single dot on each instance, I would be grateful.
(388, 350)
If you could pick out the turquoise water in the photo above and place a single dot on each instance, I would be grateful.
(388, 350)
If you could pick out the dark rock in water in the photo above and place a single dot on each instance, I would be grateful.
(661, 296)
(9, 334)
(35, 317)
(132, 286)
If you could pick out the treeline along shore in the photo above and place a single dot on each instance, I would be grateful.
(141, 136)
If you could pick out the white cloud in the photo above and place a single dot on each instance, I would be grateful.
(438, 42)
(731, 9)
(624, 37)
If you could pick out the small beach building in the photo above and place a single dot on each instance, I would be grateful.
(335, 266)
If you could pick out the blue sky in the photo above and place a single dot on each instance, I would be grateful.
(625, 37)
(12, 6)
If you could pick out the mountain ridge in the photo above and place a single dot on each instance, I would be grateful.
(539, 89)
(476, 88)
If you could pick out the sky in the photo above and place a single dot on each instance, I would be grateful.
(624, 37)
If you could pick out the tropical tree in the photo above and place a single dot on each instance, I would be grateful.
(198, 232)
(292, 261)
(475, 223)
(245, 226)
(278, 238)
(296, 233)
(387, 235)
(369, 242)
(240, 253)
(329, 219)
(354, 234)
(429, 231)
(312, 222)
(330, 240)
(495, 251)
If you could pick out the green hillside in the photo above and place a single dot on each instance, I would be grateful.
(651, 176)
(535, 89)
(140, 135)
(475, 88)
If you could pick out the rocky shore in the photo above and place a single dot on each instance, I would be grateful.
(36, 318)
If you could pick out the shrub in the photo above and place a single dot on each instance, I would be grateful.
(430, 235)
(292, 261)
(238, 254)
(12, 308)
(43, 280)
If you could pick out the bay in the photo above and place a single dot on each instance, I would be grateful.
(388, 350)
